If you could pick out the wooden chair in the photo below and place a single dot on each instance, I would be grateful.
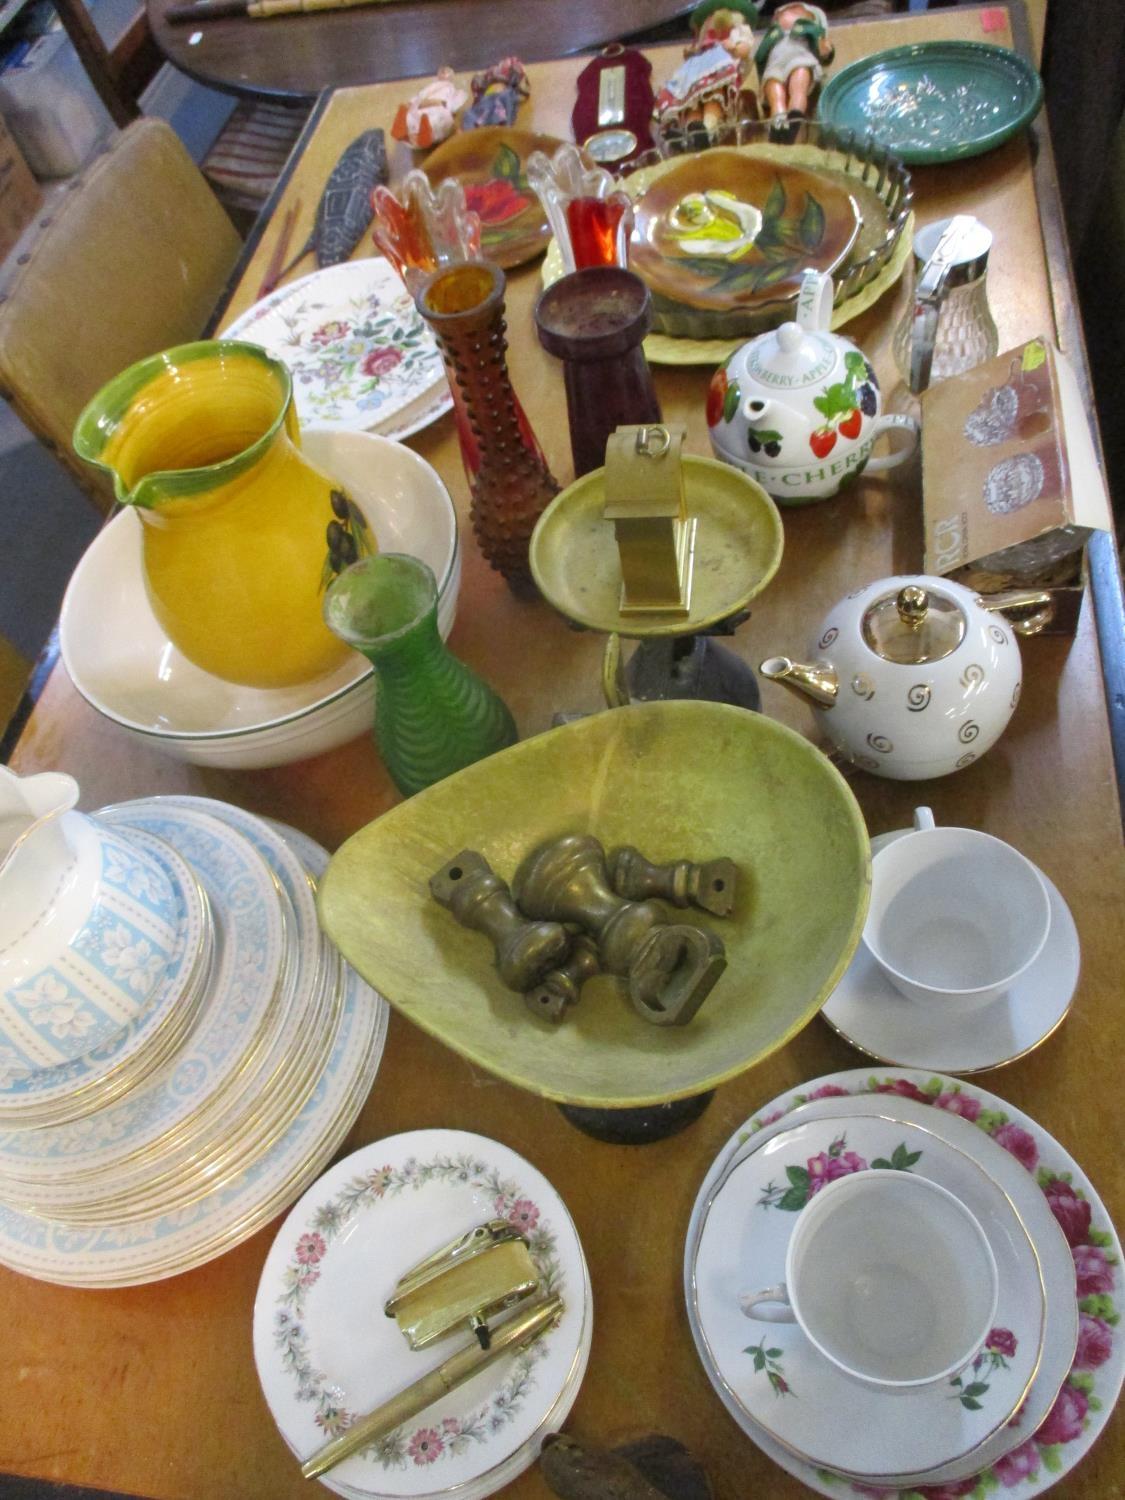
(120, 72)
(131, 260)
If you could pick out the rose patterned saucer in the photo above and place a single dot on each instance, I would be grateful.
(1076, 1388)
(781, 1381)
(867, 1010)
(360, 355)
(325, 1351)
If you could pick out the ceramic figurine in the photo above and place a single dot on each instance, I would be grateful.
(704, 91)
(791, 59)
(498, 93)
(429, 116)
(421, 227)
(914, 677)
(798, 409)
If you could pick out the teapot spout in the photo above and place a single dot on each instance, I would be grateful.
(818, 682)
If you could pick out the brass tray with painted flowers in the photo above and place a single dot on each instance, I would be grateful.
(730, 233)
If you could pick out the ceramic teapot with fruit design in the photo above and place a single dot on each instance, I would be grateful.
(798, 409)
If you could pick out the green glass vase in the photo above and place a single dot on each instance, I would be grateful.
(433, 715)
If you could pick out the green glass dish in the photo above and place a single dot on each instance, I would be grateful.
(935, 101)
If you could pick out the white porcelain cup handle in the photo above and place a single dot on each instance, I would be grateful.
(887, 423)
(814, 302)
(923, 819)
(770, 1305)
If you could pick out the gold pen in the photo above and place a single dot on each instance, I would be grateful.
(517, 1332)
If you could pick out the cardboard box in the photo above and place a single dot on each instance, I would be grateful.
(20, 194)
(1010, 481)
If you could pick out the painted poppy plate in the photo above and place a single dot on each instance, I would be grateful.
(492, 164)
(725, 231)
(361, 357)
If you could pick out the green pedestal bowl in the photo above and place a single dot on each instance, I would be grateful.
(679, 780)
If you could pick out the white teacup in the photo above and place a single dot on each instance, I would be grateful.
(956, 916)
(890, 1277)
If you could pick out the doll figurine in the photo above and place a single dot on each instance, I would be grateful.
(711, 87)
(428, 118)
(497, 94)
(790, 59)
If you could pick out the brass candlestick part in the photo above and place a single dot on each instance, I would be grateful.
(525, 950)
(558, 990)
(710, 886)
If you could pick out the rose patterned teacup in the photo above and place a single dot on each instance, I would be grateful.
(890, 1277)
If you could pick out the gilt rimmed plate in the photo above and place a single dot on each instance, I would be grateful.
(360, 355)
(34, 1098)
(780, 1380)
(867, 1011)
(1063, 1417)
(335, 1262)
(935, 101)
(167, 1245)
(244, 898)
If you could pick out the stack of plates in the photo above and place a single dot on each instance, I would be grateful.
(326, 1352)
(218, 1105)
(1039, 1392)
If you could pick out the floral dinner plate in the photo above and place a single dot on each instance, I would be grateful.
(360, 355)
(1061, 1419)
(336, 1260)
(781, 1381)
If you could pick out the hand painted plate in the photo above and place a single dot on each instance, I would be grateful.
(761, 224)
(774, 1373)
(336, 1260)
(1061, 1424)
(935, 101)
(866, 1009)
(361, 356)
(491, 162)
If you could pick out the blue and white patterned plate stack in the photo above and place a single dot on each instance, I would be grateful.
(224, 1098)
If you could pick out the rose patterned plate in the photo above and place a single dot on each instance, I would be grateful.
(335, 1262)
(867, 1010)
(360, 355)
(1063, 1417)
(492, 164)
(781, 1381)
(935, 101)
(129, 1255)
(245, 901)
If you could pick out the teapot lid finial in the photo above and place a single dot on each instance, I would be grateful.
(911, 625)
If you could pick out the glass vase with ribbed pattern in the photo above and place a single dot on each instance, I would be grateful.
(433, 715)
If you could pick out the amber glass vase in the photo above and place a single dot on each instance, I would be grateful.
(508, 475)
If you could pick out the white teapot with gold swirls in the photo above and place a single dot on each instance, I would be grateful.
(915, 676)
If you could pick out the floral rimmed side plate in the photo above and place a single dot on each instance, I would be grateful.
(492, 164)
(773, 1371)
(723, 230)
(935, 101)
(867, 1011)
(360, 355)
(335, 1262)
(1061, 1421)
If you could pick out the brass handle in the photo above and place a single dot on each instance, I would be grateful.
(1040, 602)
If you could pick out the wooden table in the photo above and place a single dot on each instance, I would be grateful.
(153, 1390)
(294, 57)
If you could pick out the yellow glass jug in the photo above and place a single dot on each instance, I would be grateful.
(240, 533)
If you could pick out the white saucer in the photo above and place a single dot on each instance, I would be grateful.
(867, 1011)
